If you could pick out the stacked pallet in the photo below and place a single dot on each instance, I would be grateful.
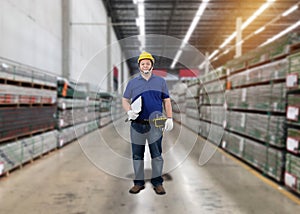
(106, 108)
(274, 51)
(270, 97)
(192, 108)
(71, 133)
(177, 95)
(76, 111)
(15, 154)
(117, 109)
(211, 105)
(19, 122)
(255, 117)
(261, 127)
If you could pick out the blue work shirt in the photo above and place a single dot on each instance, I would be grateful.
(153, 92)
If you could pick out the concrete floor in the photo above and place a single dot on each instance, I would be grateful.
(94, 177)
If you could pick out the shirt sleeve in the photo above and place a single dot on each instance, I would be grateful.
(165, 91)
(127, 93)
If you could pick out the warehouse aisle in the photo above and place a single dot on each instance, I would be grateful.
(66, 181)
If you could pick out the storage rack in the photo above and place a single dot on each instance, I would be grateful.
(192, 105)
(40, 112)
(116, 108)
(211, 105)
(78, 111)
(177, 95)
(292, 165)
(255, 105)
(27, 109)
(105, 108)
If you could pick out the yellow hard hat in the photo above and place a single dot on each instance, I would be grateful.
(146, 55)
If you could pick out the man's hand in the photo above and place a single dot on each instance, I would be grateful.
(169, 124)
(132, 115)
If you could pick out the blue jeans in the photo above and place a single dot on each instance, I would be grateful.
(139, 133)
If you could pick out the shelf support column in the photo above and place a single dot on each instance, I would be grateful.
(238, 43)
(108, 55)
(66, 38)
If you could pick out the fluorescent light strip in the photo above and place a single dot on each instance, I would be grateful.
(142, 26)
(213, 54)
(244, 25)
(195, 20)
(137, 22)
(231, 37)
(209, 58)
(191, 29)
(5, 65)
(226, 52)
(140, 22)
(175, 60)
(141, 9)
(292, 9)
(257, 13)
(260, 30)
(292, 27)
(247, 22)
(287, 12)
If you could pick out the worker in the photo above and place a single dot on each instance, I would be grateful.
(153, 92)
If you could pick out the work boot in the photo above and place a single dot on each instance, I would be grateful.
(136, 189)
(159, 190)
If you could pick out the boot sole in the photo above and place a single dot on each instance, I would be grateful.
(159, 193)
(133, 192)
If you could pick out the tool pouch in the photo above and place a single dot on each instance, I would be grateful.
(159, 122)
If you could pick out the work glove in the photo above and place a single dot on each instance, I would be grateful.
(169, 124)
(132, 115)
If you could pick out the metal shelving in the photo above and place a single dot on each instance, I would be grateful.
(40, 112)
(211, 105)
(292, 165)
(27, 114)
(259, 96)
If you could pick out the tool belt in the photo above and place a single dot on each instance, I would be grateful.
(158, 122)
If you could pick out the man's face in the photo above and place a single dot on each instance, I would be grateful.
(145, 64)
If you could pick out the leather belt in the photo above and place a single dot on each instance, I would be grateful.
(142, 121)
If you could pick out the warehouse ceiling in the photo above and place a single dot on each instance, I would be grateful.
(218, 22)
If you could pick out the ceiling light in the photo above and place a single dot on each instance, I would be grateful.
(247, 22)
(195, 21)
(292, 27)
(141, 9)
(136, 1)
(216, 58)
(228, 39)
(137, 22)
(257, 13)
(191, 29)
(213, 54)
(292, 9)
(5, 65)
(240, 42)
(226, 52)
(140, 22)
(260, 30)
(201, 66)
(244, 25)
(175, 60)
